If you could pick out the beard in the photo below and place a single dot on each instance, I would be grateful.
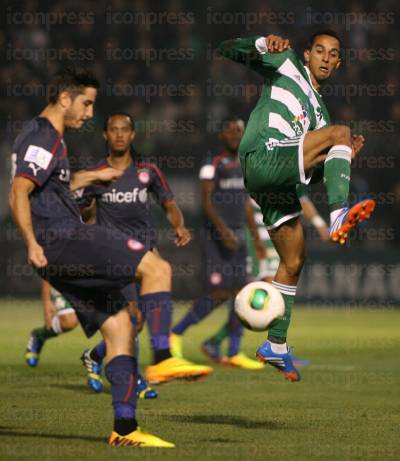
(119, 152)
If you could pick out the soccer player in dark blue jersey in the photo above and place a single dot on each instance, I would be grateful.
(227, 209)
(125, 205)
(81, 261)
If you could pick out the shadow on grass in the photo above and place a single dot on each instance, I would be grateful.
(15, 432)
(231, 420)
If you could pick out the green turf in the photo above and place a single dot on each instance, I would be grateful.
(346, 407)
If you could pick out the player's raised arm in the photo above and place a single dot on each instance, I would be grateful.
(262, 54)
(21, 213)
(83, 178)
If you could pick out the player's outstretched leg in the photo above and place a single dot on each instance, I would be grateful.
(121, 369)
(289, 243)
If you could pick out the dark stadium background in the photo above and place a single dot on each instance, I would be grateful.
(156, 61)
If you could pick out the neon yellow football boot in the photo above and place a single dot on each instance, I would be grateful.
(175, 345)
(242, 361)
(176, 368)
(138, 438)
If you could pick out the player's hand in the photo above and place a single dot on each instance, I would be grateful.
(36, 256)
(357, 143)
(276, 44)
(108, 174)
(183, 236)
(230, 240)
(261, 251)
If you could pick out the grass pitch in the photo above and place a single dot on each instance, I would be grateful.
(346, 407)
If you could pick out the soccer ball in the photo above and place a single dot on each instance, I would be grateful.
(257, 304)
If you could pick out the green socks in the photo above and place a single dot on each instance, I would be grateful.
(221, 334)
(337, 175)
(277, 331)
(43, 333)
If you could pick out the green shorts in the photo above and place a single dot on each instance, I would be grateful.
(272, 173)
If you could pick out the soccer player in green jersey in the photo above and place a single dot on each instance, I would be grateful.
(289, 141)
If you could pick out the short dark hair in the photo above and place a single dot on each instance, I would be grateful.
(329, 32)
(71, 78)
(230, 119)
(121, 113)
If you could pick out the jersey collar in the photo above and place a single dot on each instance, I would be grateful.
(309, 79)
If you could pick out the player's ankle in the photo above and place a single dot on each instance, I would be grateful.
(278, 344)
(125, 426)
(161, 354)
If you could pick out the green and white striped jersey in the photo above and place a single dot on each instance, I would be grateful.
(289, 106)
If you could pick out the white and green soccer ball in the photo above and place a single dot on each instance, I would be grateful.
(258, 304)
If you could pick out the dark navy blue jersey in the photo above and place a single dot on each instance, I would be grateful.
(40, 154)
(229, 196)
(125, 204)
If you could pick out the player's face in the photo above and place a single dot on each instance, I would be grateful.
(119, 134)
(231, 135)
(324, 57)
(79, 108)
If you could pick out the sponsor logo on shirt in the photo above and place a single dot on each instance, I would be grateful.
(38, 156)
(136, 195)
(231, 183)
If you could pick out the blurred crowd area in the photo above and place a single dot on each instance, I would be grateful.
(156, 61)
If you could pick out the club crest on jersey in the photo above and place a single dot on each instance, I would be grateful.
(134, 245)
(215, 278)
(144, 176)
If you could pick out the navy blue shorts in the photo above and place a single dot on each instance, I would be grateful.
(94, 267)
(224, 268)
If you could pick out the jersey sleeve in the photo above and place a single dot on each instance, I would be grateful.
(36, 157)
(252, 51)
(159, 186)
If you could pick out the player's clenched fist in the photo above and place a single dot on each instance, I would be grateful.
(36, 256)
(276, 44)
